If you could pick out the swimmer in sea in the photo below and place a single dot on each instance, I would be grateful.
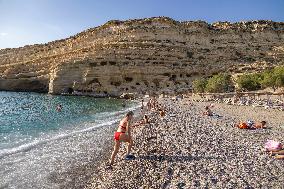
(59, 108)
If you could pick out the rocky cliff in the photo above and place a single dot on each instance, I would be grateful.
(154, 54)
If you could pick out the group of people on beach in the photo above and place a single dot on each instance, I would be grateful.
(242, 125)
(124, 130)
(277, 152)
(153, 105)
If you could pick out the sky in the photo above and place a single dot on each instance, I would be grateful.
(27, 22)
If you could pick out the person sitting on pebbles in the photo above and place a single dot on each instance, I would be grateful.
(162, 112)
(208, 111)
(123, 134)
(145, 120)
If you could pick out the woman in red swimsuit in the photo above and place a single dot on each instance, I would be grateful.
(123, 134)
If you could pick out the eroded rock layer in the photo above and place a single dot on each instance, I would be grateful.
(153, 54)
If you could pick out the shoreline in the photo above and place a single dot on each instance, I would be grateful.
(66, 157)
(186, 150)
(79, 176)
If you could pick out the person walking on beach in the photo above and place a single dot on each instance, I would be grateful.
(142, 104)
(123, 134)
(149, 104)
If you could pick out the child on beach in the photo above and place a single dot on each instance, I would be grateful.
(123, 134)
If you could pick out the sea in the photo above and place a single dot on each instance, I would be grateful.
(37, 141)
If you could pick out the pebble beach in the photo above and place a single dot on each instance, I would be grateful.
(185, 149)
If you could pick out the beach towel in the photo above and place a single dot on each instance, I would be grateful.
(243, 126)
(272, 145)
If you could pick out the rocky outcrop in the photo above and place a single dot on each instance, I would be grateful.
(153, 54)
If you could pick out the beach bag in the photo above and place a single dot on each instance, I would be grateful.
(243, 126)
(272, 145)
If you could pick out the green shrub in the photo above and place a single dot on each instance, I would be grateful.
(278, 76)
(249, 82)
(199, 85)
(268, 80)
(219, 83)
(271, 78)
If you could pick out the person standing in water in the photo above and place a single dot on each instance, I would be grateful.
(123, 134)
(59, 108)
(123, 104)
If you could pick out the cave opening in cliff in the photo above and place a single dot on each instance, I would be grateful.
(128, 79)
(69, 90)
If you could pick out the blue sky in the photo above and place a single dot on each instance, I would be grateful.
(24, 22)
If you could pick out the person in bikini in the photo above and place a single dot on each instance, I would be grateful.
(123, 134)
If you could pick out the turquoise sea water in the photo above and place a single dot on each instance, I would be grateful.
(30, 124)
(27, 116)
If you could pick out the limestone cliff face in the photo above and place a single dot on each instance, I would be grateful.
(154, 54)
